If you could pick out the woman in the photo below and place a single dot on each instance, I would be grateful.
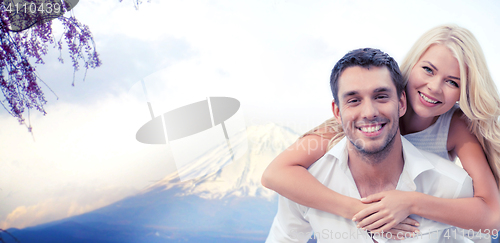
(445, 66)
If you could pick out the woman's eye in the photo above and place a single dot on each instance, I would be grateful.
(427, 69)
(453, 83)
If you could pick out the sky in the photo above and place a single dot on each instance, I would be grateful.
(274, 56)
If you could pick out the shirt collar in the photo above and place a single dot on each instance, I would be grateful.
(415, 162)
(339, 151)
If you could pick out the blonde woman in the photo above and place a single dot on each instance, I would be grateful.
(445, 66)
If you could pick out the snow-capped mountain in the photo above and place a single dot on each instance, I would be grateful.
(229, 205)
(240, 177)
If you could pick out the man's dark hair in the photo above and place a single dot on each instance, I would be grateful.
(366, 57)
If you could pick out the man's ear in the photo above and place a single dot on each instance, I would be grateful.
(336, 112)
(402, 104)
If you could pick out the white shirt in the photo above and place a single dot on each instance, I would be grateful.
(422, 172)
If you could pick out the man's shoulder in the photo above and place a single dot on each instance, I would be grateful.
(435, 175)
(445, 167)
(423, 162)
(324, 167)
(330, 158)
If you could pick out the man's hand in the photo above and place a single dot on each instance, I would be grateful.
(405, 229)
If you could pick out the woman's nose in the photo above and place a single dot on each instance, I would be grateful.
(434, 84)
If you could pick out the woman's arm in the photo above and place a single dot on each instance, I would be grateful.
(483, 210)
(287, 175)
(480, 212)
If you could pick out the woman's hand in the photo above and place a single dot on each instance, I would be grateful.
(387, 210)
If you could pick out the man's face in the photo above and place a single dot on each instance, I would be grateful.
(369, 108)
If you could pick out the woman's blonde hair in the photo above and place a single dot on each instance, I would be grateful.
(479, 98)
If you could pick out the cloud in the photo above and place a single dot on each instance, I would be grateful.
(68, 202)
(125, 61)
(89, 144)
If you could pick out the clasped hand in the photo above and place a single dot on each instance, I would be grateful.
(388, 211)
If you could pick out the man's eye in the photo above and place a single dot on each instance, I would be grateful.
(352, 101)
(381, 97)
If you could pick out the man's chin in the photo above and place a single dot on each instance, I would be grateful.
(371, 150)
(370, 146)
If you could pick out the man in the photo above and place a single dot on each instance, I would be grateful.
(368, 101)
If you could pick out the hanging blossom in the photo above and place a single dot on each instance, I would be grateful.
(20, 50)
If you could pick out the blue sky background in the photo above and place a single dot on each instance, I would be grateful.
(274, 56)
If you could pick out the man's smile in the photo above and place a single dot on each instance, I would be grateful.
(372, 129)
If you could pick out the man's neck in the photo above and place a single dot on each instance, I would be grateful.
(377, 173)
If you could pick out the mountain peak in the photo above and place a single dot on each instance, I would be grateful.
(240, 177)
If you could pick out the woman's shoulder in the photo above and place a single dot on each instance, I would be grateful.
(459, 119)
(452, 113)
(459, 128)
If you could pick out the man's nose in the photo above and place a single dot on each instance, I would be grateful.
(370, 110)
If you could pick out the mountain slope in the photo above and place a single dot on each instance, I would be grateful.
(228, 205)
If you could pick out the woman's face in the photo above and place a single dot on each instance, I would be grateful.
(434, 83)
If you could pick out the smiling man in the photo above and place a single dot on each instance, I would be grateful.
(369, 99)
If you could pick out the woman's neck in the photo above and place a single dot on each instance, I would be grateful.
(410, 122)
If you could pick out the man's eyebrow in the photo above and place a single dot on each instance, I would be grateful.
(382, 89)
(350, 93)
